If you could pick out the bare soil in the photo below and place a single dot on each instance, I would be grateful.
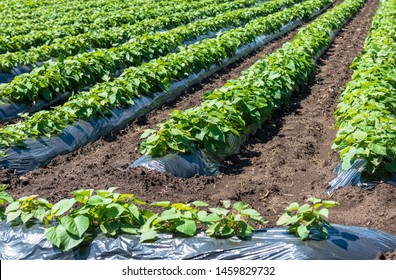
(288, 160)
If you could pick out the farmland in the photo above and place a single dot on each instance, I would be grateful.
(111, 58)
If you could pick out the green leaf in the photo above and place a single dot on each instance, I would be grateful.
(324, 212)
(114, 210)
(182, 206)
(187, 227)
(148, 235)
(147, 225)
(199, 203)
(330, 203)
(25, 217)
(227, 230)
(359, 135)
(239, 206)
(134, 211)
(110, 228)
(39, 214)
(161, 203)
(128, 228)
(63, 206)
(219, 211)
(187, 215)
(68, 241)
(212, 229)
(378, 149)
(304, 209)
(12, 207)
(293, 207)
(250, 212)
(52, 236)
(314, 200)
(202, 216)
(323, 232)
(147, 133)
(11, 216)
(98, 200)
(303, 232)
(244, 228)
(5, 196)
(170, 214)
(283, 219)
(76, 226)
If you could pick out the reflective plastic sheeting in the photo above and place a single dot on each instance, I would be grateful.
(344, 243)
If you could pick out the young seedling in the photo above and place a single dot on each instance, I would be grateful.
(302, 219)
(185, 219)
(227, 221)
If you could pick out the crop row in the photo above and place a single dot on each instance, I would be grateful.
(19, 23)
(134, 14)
(26, 18)
(246, 102)
(57, 77)
(366, 114)
(157, 75)
(108, 37)
(72, 221)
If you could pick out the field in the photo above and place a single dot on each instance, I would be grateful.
(289, 159)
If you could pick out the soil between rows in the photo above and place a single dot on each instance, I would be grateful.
(288, 160)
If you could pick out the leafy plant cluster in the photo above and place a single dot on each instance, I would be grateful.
(156, 75)
(366, 114)
(80, 25)
(107, 37)
(247, 101)
(301, 220)
(72, 221)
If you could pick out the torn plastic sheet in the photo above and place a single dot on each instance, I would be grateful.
(353, 177)
(344, 243)
(38, 152)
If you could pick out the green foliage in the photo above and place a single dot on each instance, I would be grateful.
(366, 113)
(104, 210)
(231, 220)
(28, 208)
(72, 221)
(185, 219)
(302, 219)
(4, 197)
(50, 34)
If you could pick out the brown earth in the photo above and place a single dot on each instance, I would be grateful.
(288, 160)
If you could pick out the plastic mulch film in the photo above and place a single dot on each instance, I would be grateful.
(353, 177)
(39, 152)
(344, 243)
